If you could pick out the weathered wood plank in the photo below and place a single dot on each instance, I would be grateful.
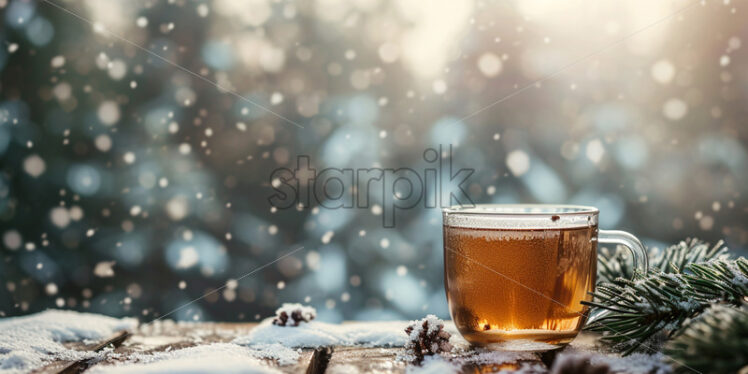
(72, 367)
(161, 336)
(359, 359)
(320, 360)
(81, 365)
(384, 360)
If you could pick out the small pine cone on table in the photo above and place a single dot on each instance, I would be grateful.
(293, 315)
(427, 337)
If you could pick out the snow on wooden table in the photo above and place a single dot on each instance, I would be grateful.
(212, 347)
(149, 347)
(167, 346)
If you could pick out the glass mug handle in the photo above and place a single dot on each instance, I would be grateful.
(638, 254)
(638, 251)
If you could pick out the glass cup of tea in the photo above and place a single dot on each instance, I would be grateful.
(515, 275)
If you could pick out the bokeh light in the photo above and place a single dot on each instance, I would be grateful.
(137, 142)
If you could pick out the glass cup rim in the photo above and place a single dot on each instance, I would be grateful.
(521, 210)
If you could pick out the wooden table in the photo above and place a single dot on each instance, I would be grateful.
(171, 336)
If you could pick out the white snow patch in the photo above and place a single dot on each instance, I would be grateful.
(434, 365)
(281, 354)
(150, 342)
(214, 358)
(488, 356)
(28, 342)
(316, 334)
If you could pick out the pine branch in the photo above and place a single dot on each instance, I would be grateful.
(660, 301)
(617, 263)
(715, 342)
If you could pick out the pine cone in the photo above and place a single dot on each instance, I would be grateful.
(293, 315)
(577, 364)
(427, 337)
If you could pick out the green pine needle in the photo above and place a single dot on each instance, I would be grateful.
(661, 301)
(715, 342)
(617, 263)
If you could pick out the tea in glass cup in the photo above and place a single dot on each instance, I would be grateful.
(518, 273)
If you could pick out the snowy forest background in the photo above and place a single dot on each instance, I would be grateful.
(130, 186)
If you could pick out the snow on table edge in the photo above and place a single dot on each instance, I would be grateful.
(28, 342)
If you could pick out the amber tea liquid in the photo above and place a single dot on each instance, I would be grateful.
(512, 284)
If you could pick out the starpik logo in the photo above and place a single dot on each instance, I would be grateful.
(436, 185)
